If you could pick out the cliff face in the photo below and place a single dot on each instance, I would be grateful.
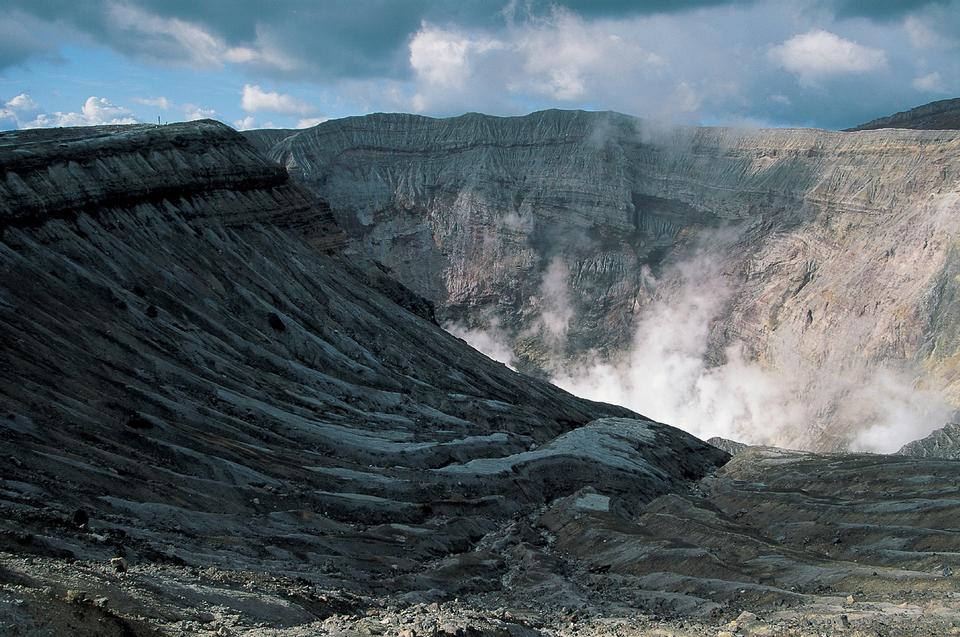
(213, 174)
(562, 229)
(181, 362)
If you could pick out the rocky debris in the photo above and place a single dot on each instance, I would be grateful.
(939, 115)
(503, 220)
(170, 598)
(76, 597)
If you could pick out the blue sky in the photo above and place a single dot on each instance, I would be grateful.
(293, 63)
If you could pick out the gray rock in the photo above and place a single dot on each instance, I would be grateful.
(549, 226)
(357, 412)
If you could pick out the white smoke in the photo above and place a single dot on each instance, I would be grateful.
(489, 340)
(557, 310)
(786, 402)
(895, 412)
(783, 399)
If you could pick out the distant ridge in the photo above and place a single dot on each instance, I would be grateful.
(940, 115)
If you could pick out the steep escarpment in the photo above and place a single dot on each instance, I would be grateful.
(554, 237)
(210, 172)
(187, 377)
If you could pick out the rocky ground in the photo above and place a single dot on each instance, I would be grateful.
(773, 543)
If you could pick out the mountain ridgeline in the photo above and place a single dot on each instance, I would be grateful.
(564, 242)
(939, 115)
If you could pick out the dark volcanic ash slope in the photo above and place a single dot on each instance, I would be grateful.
(187, 377)
(563, 230)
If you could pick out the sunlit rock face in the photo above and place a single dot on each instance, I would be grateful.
(811, 273)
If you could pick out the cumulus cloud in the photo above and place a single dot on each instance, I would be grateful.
(192, 112)
(18, 108)
(559, 57)
(441, 56)
(246, 123)
(715, 61)
(187, 111)
(21, 111)
(818, 54)
(443, 61)
(22, 103)
(563, 53)
(257, 100)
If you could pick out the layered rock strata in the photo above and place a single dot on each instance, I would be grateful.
(187, 377)
(562, 229)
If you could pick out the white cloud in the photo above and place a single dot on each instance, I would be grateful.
(442, 61)
(19, 108)
(247, 123)
(439, 57)
(818, 53)
(562, 54)
(559, 57)
(257, 100)
(193, 112)
(99, 110)
(307, 122)
(22, 103)
(190, 112)
(24, 112)
(177, 41)
(158, 102)
(931, 82)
